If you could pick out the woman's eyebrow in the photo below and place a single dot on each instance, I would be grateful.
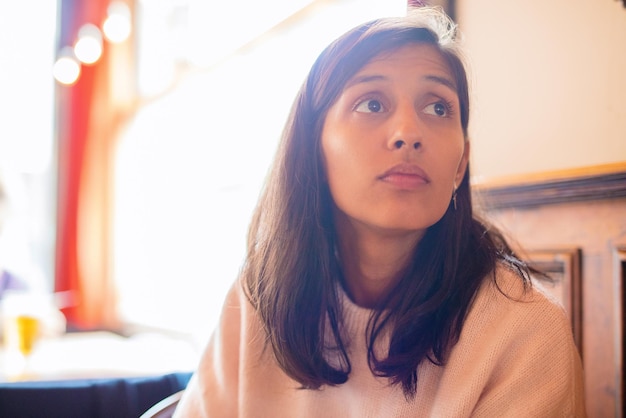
(364, 79)
(444, 81)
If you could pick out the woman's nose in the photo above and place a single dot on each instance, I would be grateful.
(405, 129)
(400, 143)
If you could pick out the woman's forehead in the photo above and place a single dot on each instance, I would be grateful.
(412, 58)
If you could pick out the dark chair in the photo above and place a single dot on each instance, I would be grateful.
(89, 398)
(164, 408)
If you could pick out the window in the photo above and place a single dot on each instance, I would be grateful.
(192, 161)
(27, 164)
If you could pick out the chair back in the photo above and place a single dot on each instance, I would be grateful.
(165, 407)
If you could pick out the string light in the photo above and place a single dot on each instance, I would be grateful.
(88, 47)
(66, 68)
(117, 26)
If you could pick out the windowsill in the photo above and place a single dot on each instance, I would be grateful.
(100, 354)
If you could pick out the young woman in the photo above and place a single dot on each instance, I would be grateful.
(369, 288)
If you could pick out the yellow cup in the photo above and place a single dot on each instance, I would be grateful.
(21, 333)
(21, 321)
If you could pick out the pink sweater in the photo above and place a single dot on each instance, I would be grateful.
(515, 358)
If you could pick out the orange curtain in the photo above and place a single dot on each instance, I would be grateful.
(89, 115)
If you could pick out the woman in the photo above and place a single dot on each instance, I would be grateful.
(369, 288)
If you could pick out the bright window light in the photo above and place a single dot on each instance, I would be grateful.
(190, 166)
(27, 161)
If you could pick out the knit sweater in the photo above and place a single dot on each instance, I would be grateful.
(515, 358)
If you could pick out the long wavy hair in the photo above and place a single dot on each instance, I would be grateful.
(291, 275)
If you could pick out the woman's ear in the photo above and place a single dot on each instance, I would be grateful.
(460, 172)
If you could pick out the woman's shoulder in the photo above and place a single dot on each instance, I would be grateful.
(506, 296)
(514, 325)
(518, 340)
(508, 282)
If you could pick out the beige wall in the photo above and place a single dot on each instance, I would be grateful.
(549, 84)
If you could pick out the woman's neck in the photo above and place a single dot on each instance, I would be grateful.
(373, 260)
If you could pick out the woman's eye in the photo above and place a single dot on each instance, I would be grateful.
(437, 109)
(369, 106)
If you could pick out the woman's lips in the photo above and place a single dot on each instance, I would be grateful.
(405, 176)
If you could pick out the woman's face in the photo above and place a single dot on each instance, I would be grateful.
(393, 144)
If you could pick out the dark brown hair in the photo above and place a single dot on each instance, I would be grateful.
(291, 275)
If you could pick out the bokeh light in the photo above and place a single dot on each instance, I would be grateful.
(66, 69)
(118, 25)
(88, 47)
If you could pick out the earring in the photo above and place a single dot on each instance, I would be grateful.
(454, 196)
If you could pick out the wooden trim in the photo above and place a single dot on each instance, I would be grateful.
(581, 184)
(620, 330)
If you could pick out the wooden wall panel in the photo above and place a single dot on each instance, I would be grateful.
(592, 221)
(620, 332)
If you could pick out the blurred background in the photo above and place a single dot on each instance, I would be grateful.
(135, 135)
